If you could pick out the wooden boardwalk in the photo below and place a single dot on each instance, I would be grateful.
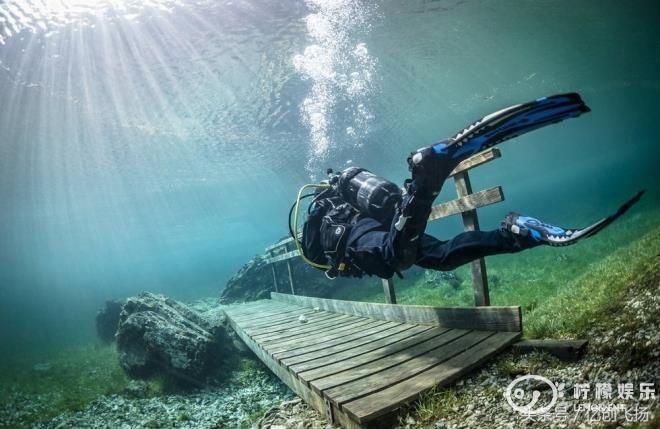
(357, 362)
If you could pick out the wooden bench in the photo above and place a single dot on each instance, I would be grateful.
(466, 205)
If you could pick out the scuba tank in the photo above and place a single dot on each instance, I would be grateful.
(338, 202)
(370, 194)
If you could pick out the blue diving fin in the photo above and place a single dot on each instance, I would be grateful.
(541, 232)
(511, 122)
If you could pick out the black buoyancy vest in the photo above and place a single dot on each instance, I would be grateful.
(325, 235)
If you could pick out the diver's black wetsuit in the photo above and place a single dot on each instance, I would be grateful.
(374, 249)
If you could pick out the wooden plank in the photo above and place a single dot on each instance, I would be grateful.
(368, 354)
(251, 327)
(310, 352)
(330, 355)
(265, 317)
(493, 318)
(291, 322)
(248, 310)
(294, 336)
(254, 319)
(283, 257)
(267, 322)
(570, 350)
(277, 348)
(388, 287)
(302, 329)
(280, 244)
(375, 382)
(476, 160)
(471, 223)
(315, 400)
(252, 306)
(266, 313)
(386, 361)
(382, 402)
(242, 305)
(469, 202)
(289, 316)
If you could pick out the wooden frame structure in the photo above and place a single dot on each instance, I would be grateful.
(281, 251)
(466, 205)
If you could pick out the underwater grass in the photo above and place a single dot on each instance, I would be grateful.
(597, 294)
(68, 382)
(436, 402)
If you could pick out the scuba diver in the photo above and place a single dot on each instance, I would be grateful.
(359, 223)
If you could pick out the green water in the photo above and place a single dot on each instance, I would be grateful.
(146, 148)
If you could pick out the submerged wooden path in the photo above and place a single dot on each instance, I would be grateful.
(357, 362)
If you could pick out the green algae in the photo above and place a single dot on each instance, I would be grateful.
(67, 382)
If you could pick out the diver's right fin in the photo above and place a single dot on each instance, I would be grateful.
(511, 122)
(553, 235)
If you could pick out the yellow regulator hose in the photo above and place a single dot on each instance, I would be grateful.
(295, 225)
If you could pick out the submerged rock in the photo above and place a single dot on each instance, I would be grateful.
(158, 334)
(107, 320)
(137, 389)
(255, 281)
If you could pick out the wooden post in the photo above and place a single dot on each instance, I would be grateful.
(471, 223)
(570, 350)
(388, 287)
(288, 266)
(272, 267)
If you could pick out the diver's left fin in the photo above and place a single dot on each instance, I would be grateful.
(511, 122)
